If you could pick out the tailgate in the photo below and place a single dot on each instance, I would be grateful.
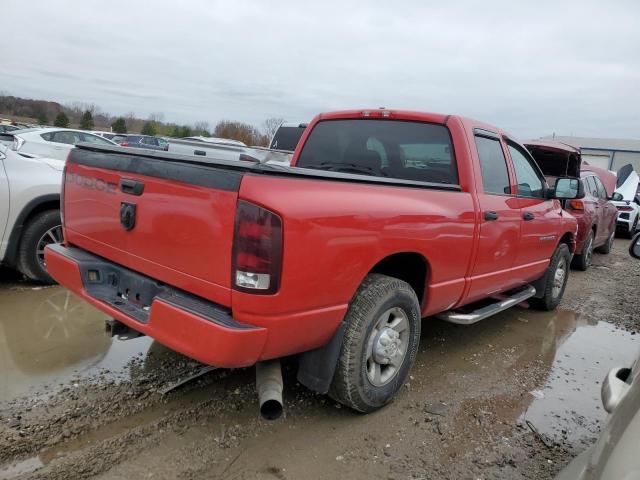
(169, 220)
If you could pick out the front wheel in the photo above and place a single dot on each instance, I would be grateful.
(380, 343)
(557, 275)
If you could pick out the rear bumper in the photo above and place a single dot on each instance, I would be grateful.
(196, 328)
(623, 222)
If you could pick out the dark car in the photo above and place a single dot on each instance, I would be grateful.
(141, 141)
(594, 211)
(8, 128)
(287, 136)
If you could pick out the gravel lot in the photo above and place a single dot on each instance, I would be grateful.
(515, 397)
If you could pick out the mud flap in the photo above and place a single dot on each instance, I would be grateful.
(316, 367)
(541, 284)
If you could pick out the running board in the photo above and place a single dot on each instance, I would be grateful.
(484, 312)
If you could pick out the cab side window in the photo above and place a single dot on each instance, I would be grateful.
(602, 191)
(495, 176)
(529, 182)
(590, 186)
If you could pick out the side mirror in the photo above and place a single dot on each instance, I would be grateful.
(634, 248)
(568, 188)
(616, 197)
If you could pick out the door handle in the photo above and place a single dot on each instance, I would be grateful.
(490, 215)
(528, 216)
(132, 187)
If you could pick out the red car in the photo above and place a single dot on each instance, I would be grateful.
(385, 217)
(595, 213)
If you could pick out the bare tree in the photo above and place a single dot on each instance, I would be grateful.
(201, 128)
(156, 117)
(244, 132)
(270, 125)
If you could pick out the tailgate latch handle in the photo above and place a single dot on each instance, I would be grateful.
(131, 187)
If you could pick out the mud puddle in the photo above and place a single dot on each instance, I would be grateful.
(540, 371)
(49, 337)
(569, 406)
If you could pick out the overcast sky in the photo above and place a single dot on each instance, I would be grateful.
(556, 66)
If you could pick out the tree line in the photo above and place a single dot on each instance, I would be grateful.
(88, 116)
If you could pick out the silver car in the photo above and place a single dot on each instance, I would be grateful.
(616, 454)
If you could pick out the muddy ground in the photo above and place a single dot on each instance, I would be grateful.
(515, 397)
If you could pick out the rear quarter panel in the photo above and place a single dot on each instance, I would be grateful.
(336, 232)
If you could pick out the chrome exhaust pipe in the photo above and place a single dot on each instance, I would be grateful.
(269, 386)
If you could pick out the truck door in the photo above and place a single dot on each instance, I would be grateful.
(541, 218)
(4, 203)
(606, 213)
(500, 220)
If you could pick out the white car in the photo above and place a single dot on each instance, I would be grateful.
(52, 142)
(29, 211)
(628, 185)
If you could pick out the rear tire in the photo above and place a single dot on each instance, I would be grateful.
(607, 247)
(43, 229)
(583, 261)
(557, 275)
(380, 343)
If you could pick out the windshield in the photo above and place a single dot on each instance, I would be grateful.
(387, 148)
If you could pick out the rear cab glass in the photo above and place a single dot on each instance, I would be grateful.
(406, 150)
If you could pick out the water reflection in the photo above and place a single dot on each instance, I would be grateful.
(521, 365)
(47, 335)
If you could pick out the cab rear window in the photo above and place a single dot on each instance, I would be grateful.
(385, 148)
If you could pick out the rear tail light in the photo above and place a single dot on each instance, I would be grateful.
(576, 205)
(257, 249)
(625, 209)
(247, 158)
(124, 144)
(17, 143)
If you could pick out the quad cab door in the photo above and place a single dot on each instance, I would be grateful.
(542, 218)
(499, 220)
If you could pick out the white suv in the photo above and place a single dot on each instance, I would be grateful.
(52, 142)
(29, 211)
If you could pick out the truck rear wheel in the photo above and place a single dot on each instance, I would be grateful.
(380, 343)
(557, 275)
(43, 229)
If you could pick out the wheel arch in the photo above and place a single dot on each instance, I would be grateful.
(31, 209)
(569, 240)
(411, 267)
(317, 367)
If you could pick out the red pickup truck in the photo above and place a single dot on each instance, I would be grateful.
(385, 217)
